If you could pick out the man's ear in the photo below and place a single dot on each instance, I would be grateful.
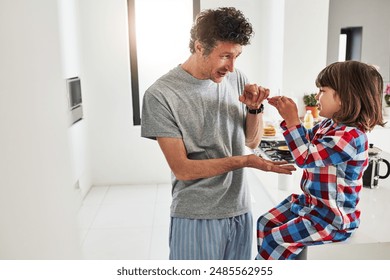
(198, 47)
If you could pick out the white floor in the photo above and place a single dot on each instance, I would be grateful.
(132, 222)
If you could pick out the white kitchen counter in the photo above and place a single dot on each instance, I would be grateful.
(370, 241)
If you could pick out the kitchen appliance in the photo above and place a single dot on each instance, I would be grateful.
(274, 150)
(371, 174)
(75, 100)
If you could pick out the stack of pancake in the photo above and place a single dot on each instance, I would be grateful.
(269, 130)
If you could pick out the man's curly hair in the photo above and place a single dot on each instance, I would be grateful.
(225, 24)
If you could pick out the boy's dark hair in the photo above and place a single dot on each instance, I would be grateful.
(225, 24)
(360, 88)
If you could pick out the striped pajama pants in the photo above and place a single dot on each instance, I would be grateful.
(281, 234)
(209, 239)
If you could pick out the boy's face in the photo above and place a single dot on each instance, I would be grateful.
(218, 62)
(329, 102)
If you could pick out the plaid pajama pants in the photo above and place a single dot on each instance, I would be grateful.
(282, 234)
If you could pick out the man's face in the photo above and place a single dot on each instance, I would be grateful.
(219, 61)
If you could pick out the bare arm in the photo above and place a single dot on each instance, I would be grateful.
(254, 130)
(252, 97)
(188, 169)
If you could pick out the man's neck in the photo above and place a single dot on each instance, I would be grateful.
(191, 66)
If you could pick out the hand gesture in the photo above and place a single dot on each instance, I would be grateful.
(270, 166)
(253, 96)
(287, 109)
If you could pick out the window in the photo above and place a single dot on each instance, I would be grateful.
(159, 34)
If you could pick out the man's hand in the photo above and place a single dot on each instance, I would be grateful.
(270, 166)
(253, 96)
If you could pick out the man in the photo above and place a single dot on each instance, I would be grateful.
(203, 113)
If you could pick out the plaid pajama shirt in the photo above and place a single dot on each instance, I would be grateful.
(333, 157)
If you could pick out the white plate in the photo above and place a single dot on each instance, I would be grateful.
(277, 137)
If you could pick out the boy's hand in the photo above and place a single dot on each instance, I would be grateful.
(287, 109)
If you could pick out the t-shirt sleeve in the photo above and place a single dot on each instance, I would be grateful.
(157, 117)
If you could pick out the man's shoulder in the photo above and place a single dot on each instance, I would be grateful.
(237, 78)
(166, 80)
(238, 75)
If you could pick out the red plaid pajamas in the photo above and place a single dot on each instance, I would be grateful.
(333, 158)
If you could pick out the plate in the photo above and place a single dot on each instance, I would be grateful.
(277, 137)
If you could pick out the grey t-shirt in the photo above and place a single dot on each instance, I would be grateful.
(210, 119)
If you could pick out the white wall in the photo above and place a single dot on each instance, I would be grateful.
(70, 52)
(374, 17)
(305, 42)
(37, 201)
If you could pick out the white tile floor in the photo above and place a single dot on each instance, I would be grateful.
(132, 222)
